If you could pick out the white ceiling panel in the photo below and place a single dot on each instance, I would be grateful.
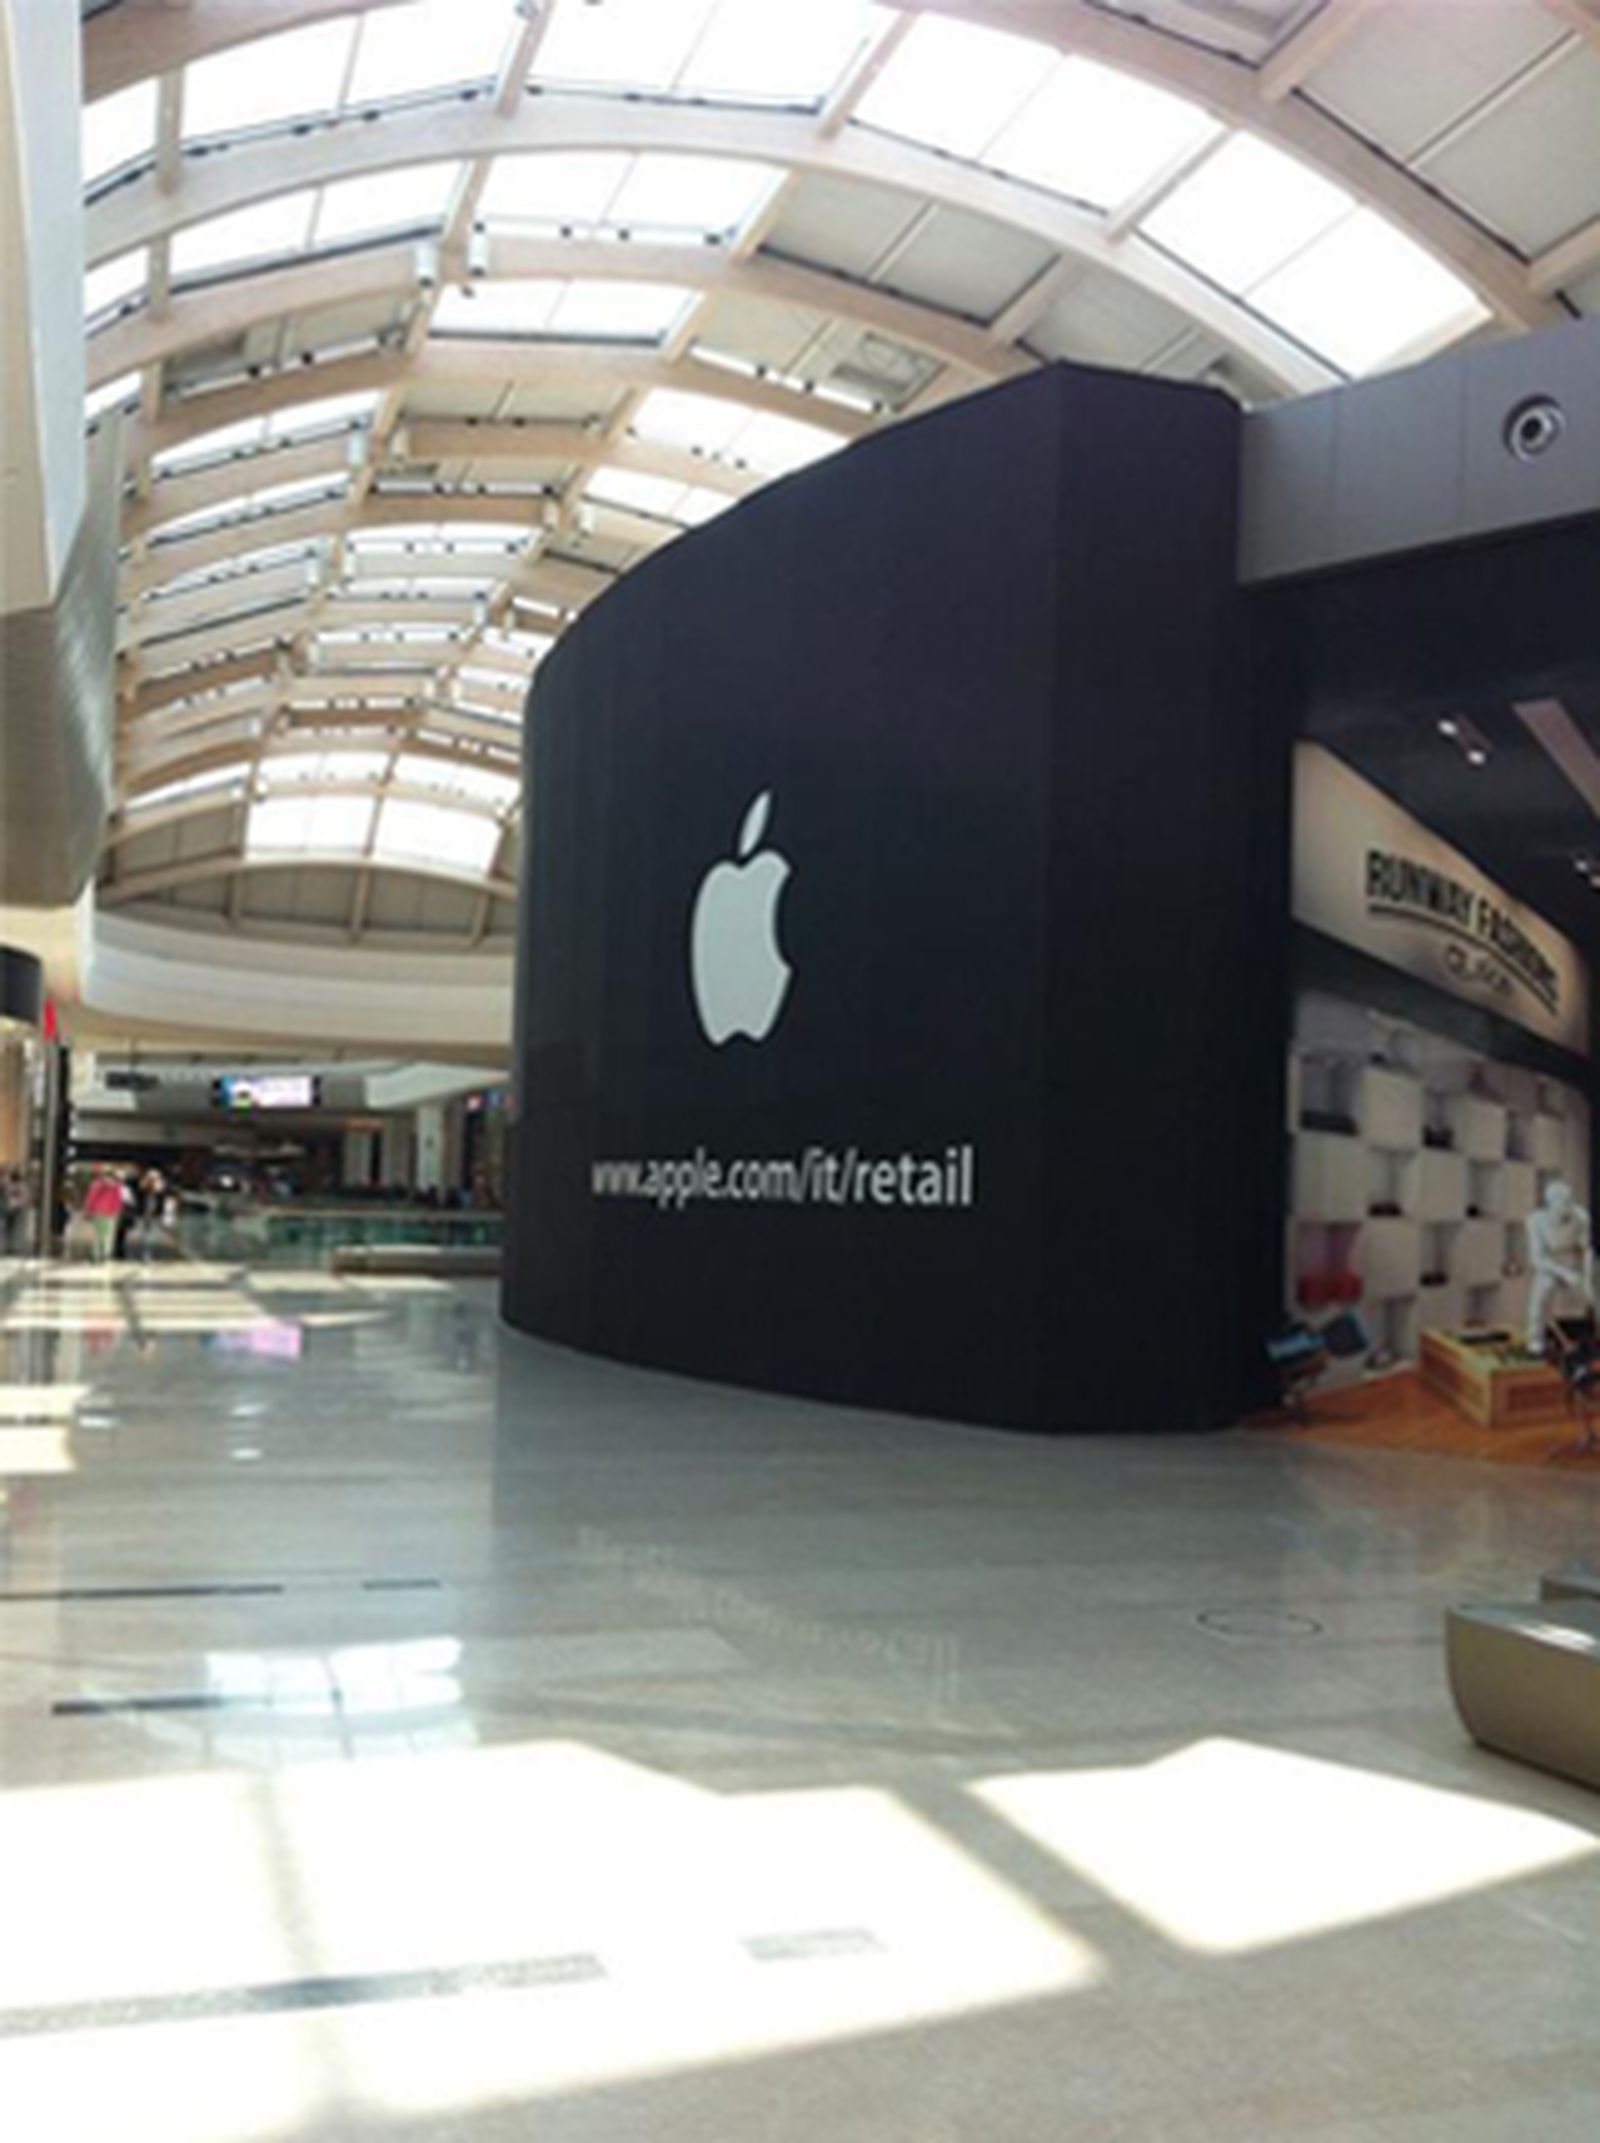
(396, 902)
(208, 897)
(1246, 27)
(1404, 74)
(836, 224)
(1530, 169)
(1102, 320)
(562, 402)
(773, 335)
(966, 264)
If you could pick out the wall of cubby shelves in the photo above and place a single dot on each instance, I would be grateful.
(1414, 1166)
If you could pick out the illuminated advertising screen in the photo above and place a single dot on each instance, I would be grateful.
(267, 1090)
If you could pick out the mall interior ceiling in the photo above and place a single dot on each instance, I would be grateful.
(419, 322)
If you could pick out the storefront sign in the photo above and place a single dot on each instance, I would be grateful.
(1368, 873)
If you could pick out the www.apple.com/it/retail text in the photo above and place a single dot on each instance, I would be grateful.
(820, 1175)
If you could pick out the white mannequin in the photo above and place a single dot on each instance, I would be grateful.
(1560, 1255)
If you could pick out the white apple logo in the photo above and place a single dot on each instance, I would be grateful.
(740, 977)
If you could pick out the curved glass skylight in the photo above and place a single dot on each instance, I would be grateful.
(901, 221)
(109, 287)
(689, 505)
(284, 769)
(650, 195)
(578, 310)
(309, 825)
(291, 75)
(118, 130)
(735, 50)
(414, 832)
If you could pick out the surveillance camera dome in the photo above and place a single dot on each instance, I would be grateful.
(1533, 427)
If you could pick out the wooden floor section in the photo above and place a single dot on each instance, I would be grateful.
(1399, 1413)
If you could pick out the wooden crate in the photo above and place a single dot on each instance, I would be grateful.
(1488, 1389)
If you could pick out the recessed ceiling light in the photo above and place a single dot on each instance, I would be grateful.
(1447, 728)
(1477, 756)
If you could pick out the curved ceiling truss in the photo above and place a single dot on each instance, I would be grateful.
(407, 377)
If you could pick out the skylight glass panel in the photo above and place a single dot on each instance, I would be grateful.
(329, 410)
(699, 422)
(327, 766)
(953, 86)
(260, 232)
(113, 394)
(227, 439)
(698, 505)
(433, 833)
(775, 445)
(626, 311)
(529, 646)
(385, 201)
(269, 497)
(483, 784)
(1097, 135)
(691, 193)
(686, 505)
(478, 679)
(433, 44)
(559, 189)
(488, 710)
(501, 308)
(1365, 295)
(301, 825)
(617, 311)
(171, 792)
(400, 549)
(626, 44)
(753, 50)
(296, 74)
(658, 496)
(380, 587)
(118, 130)
(1246, 211)
(114, 282)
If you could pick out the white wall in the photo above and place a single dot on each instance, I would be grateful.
(41, 297)
(406, 1004)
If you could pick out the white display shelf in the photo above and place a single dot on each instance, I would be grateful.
(1519, 1190)
(1479, 1253)
(1329, 1178)
(1458, 1210)
(1441, 1307)
(1549, 1142)
(1388, 1109)
(1442, 1184)
(1389, 1257)
(1479, 1126)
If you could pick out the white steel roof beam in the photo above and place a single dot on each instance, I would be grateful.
(196, 870)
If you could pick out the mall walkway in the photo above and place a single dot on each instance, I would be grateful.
(409, 1731)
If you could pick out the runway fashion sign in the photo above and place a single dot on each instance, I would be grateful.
(1368, 873)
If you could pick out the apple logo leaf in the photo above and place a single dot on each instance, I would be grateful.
(755, 825)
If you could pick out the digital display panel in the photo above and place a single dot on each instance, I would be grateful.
(267, 1090)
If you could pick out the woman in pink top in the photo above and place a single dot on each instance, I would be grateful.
(102, 1208)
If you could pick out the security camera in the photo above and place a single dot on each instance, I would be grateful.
(1533, 427)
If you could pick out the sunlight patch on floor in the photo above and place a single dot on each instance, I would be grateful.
(1227, 1847)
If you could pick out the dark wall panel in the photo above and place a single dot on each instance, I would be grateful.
(969, 665)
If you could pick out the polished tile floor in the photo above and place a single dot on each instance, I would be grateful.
(410, 1731)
